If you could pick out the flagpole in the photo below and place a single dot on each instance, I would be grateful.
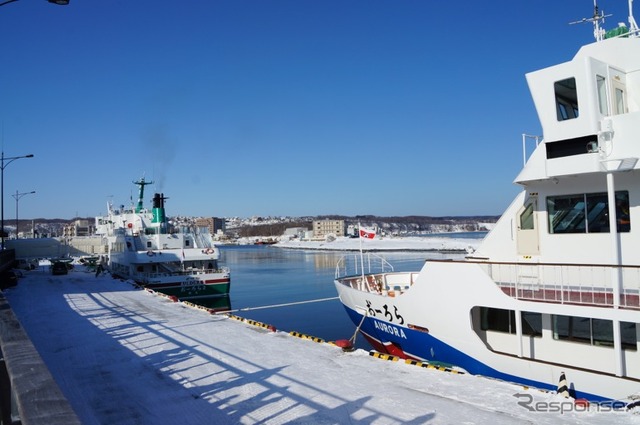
(361, 253)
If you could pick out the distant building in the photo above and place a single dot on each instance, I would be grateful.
(214, 224)
(78, 228)
(296, 232)
(324, 228)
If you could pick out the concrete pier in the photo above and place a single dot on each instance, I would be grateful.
(122, 355)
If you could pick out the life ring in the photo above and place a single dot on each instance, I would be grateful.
(209, 251)
(151, 253)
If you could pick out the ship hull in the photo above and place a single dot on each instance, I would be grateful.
(437, 318)
(193, 289)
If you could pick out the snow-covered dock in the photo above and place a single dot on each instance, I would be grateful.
(122, 355)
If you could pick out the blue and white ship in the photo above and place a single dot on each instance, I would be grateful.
(553, 289)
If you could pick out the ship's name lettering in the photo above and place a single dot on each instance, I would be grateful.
(390, 329)
(191, 283)
(386, 312)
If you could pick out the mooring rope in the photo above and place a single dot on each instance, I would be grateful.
(278, 305)
(355, 334)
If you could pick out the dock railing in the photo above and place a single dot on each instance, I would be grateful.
(28, 393)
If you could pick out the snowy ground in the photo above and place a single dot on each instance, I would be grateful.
(125, 356)
(434, 243)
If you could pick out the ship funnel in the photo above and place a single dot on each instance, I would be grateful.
(158, 208)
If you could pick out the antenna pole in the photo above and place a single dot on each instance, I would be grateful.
(633, 26)
(598, 33)
(142, 184)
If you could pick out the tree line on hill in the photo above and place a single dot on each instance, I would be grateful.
(406, 224)
(392, 224)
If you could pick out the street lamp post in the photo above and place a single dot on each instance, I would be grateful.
(13, 158)
(17, 197)
(3, 165)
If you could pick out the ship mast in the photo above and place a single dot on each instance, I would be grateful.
(598, 32)
(598, 18)
(142, 184)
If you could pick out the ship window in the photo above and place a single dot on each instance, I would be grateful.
(496, 319)
(500, 320)
(566, 99)
(628, 335)
(587, 213)
(531, 323)
(602, 94)
(526, 218)
(620, 107)
(566, 214)
(593, 331)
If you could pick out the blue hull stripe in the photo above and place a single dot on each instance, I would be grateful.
(426, 347)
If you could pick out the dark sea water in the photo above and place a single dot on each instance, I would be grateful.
(266, 276)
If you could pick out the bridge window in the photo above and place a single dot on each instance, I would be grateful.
(593, 331)
(620, 106)
(602, 94)
(587, 213)
(566, 99)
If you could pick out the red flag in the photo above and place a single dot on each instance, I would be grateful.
(367, 234)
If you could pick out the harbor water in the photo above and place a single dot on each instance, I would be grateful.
(279, 287)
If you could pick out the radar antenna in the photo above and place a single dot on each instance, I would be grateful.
(597, 17)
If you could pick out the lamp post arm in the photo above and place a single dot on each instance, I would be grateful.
(12, 158)
(17, 197)
(3, 165)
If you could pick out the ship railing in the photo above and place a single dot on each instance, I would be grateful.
(372, 273)
(361, 263)
(202, 238)
(526, 152)
(589, 284)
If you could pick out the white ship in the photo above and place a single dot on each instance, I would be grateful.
(142, 246)
(553, 289)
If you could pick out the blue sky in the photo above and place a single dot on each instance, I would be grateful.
(258, 108)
